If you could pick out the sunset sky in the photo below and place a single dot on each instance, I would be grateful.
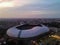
(29, 8)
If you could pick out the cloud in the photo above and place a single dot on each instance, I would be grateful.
(32, 9)
(13, 3)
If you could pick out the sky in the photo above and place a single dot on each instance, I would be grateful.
(29, 8)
